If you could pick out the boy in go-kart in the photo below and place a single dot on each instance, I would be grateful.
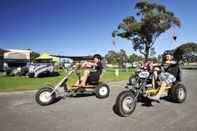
(92, 70)
(167, 76)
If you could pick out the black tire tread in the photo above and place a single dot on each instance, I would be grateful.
(97, 91)
(174, 93)
(42, 90)
(119, 100)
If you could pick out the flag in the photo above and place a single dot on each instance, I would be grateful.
(113, 42)
(174, 36)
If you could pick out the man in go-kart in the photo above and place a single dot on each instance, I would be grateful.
(92, 71)
(167, 75)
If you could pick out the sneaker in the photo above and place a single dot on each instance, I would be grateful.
(155, 98)
(164, 94)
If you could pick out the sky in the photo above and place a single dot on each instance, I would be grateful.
(83, 27)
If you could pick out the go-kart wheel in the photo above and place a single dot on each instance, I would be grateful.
(179, 93)
(102, 91)
(44, 97)
(125, 103)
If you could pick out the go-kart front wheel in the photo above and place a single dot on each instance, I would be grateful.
(125, 103)
(44, 97)
(102, 91)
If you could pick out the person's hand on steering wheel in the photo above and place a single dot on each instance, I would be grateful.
(77, 65)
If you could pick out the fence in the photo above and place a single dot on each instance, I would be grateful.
(117, 71)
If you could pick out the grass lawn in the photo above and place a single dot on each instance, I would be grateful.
(16, 83)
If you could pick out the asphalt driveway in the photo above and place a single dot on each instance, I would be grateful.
(19, 112)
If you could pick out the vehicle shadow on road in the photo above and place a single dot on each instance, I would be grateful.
(82, 95)
(57, 99)
(145, 102)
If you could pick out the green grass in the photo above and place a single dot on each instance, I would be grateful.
(16, 83)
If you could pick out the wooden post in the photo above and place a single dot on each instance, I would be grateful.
(116, 72)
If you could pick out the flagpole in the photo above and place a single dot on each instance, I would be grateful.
(173, 40)
(171, 43)
(114, 45)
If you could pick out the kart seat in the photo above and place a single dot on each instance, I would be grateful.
(93, 78)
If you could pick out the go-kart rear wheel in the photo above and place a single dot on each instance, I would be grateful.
(179, 93)
(44, 97)
(102, 91)
(125, 103)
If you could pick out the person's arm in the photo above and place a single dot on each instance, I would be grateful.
(88, 64)
(156, 64)
(170, 62)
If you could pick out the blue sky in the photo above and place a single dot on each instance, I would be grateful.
(82, 27)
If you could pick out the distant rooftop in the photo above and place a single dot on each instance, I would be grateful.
(18, 50)
(75, 58)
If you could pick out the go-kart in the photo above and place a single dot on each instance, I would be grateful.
(140, 87)
(49, 94)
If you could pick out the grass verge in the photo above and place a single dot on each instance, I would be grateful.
(16, 83)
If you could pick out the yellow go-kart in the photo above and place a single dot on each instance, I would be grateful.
(141, 87)
(49, 94)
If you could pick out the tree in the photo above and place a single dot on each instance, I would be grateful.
(152, 52)
(123, 58)
(34, 55)
(119, 58)
(111, 57)
(154, 19)
(159, 58)
(134, 57)
(185, 51)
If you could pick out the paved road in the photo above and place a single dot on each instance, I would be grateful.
(19, 112)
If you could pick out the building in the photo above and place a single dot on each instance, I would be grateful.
(14, 58)
(2, 51)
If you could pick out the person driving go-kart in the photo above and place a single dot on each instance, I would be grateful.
(168, 75)
(92, 71)
(151, 66)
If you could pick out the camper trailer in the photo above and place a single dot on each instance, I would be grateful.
(12, 59)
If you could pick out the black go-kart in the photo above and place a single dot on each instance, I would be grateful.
(140, 87)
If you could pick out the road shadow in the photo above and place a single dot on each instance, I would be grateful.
(115, 110)
(79, 95)
(168, 99)
(57, 99)
(145, 102)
